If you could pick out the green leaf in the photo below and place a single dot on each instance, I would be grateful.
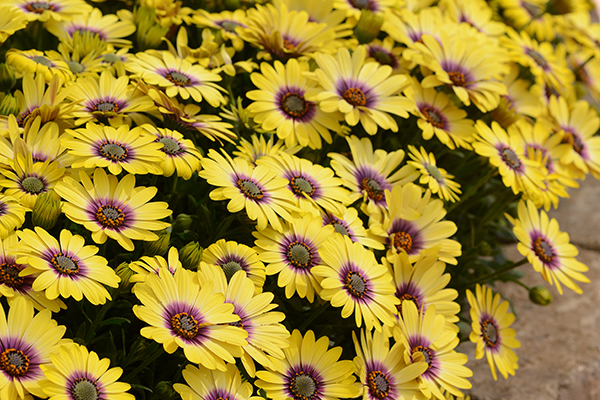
(114, 321)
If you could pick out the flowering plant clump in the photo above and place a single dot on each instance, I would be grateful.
(285, 199)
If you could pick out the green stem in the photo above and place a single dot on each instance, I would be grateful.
(473, 189)
(580, 66)
(497, 273)
(532, 19)
(157, 353)
(313, 316)
(100, 316)
(518, 282)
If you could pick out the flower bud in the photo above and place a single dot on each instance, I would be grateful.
(182, 223)
(160, 245)
(540, 295)
(164, 391)
(46, 210)
(190, 256)
(7, 77)
(125, 273)
(368, 27)
(9, 105)
(149, 33)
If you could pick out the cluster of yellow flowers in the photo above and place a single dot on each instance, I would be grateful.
(317, 119)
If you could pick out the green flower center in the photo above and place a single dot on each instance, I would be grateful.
(510, 158)
(84, 389)
(32, 185)
(14, 362)
(170, 146)
(9, 276)
(230, 268)
(301, 185)
(355, 97)
(379, 385)
(230, 26)
(106, 106)
(299, 255)
(42, 60)
(403, 240)
(178, 79)
(382, 57)
(433, 117)
(303, 386)
(489, 333)
(373, 188)
(113, 151)
(356, 284)
(110, 216)
(184, 325)
(75, 67)
(250, 189)
(340, 228)
(434, 172)
(294, 105)
(111, 58)
(65, 265)
(543, 250)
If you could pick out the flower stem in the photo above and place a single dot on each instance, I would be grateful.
(157, 353)
(473, 189)
(100, 316)
(497, 273)
(314, 316)
(580, 66)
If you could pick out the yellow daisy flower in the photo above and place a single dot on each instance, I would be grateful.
(112, 208)
(281, 105)
(182, 156)
(177, 76)
(491, 331)
(11, 20)
(181, 314)
(36, 62)
(438, 115)
(352, 279)
(260, 147)
(67, 268)
(256, 189)
(226, 21)
(266, 336)
(233, 257)
(364, 92)
(75, 372)
(475, 13)
(26, 342)
(12, 215)
(152, 265)
(437, 179)
(531, 17)
(134, 151)
(206, 384)
(547, 248)
(44, 10)
(348, 223)
(293, 252)
(407, 26)
(425, 338)
(310, 370)
(353, 8)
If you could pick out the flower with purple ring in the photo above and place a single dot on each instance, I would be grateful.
(404, 235)
(294, 105)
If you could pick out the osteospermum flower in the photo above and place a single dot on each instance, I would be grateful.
(529, 16)
(281, 105)
(36, 62)
(382, 370)
(413, 223)
(454, 61)
(311, 184)
(11, 20)
(438, 115)
(352, 279)
(181, 314)
(233, 257)
(66, 268)
(14, 285)
(107, 99)
(177, 76)
(182, 156)
(152, 265)
(12, 215)
(293, 252)
(133, 150)
(265, 333)
(425, 338)
(506, 152)
(26, 342)
(259, 147)
(26, 180)
(256, 189)
(226, 21)
(43, 10)
(491, 331)
(437, 179)
(349, 224)
(424, 283)
(364, 92)
(112, 208)
(547, 248)
(206, 384)
(369, 173)
(77, 373)
(310, 370)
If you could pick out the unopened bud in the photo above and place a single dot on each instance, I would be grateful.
(484, 248)
(159, 246)
(46, 210)
(9, 105)
(182, 223)
(190, 256)
(125, 273)
(164, 391)
(7, 77)
(368, 27)
(540, 295)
